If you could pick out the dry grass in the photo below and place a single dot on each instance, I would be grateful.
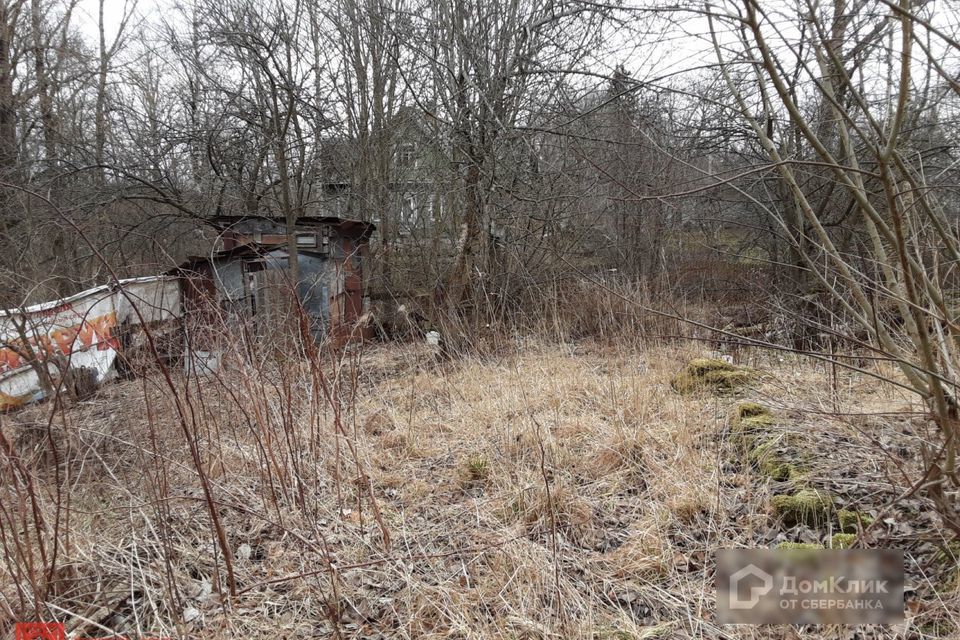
(557, 491)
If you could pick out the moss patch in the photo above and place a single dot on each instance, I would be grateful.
(850, 520)
(937, 629)
(752, 422)
(751, 410)
(748, 410)
(750, 417)
(843, 540)
(766, 460)
(704, 374)
(799, 546)
(949, 554)
(779, 471)
(808, 506)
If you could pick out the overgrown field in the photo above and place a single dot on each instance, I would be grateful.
(546, 491)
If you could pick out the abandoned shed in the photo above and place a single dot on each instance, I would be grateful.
(248, 278)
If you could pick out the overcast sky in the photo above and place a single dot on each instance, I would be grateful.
(669, 46)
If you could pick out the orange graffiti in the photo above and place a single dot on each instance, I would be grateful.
(11, 402)
(94, 331)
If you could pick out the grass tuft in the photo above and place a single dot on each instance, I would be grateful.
(705, 374)
(476, 469)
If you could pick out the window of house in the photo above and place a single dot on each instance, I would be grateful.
(306, 240)
(405, 155)
(408, 214)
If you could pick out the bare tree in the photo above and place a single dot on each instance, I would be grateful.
(895, 292)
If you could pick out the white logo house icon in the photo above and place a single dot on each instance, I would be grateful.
(764, 584)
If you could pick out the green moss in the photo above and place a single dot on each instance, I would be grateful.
(843, 540)
(713, 375)
(799, 546)
(937, 629)
(750, 410)
(765, 458)
(850, 520)
(952, 583)
(779, 471)
(756, 423)
(808, 506)
(750, 417)
(949, 554)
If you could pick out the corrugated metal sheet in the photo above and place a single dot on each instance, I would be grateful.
(331, 274)
(81, 332)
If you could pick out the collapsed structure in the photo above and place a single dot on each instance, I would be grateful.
(245, 283)
(43, 345)
(248, 278)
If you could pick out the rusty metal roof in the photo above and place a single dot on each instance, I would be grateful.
(240, 251)
(357, 228)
